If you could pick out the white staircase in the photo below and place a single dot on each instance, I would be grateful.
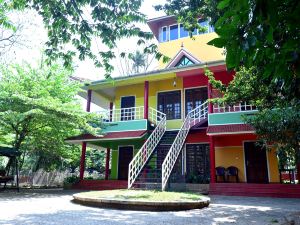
(140, 159)
(193, 117)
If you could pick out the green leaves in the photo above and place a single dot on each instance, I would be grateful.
(223, 4)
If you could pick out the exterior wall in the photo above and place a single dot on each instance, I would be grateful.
(229, 151)
(198, 47)
(136, 90)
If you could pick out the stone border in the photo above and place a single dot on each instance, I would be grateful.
(140, 205)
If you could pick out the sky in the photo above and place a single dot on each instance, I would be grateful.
(35, 36)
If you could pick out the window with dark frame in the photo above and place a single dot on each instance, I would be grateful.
(194, 98)
(170, 104)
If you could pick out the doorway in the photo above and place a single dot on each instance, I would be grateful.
(125, 157)
(256, 163)
(127, 110)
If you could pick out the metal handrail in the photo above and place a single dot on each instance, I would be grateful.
(192, 118)
(138, 162)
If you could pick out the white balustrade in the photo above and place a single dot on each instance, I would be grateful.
(123, 114)
(243, 106)
(192, 118)
(140, 159)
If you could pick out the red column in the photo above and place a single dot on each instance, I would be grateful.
(111, 105)
(146, 99)
(107, 163)
(212, 160)
(82, 160)
(83, 146)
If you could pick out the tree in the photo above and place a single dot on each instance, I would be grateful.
(38, 108)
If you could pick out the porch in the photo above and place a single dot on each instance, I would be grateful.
(255, 190)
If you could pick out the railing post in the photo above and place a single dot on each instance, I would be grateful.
(146, 99)
(89, 100)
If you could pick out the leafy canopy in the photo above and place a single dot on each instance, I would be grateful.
(39, 109)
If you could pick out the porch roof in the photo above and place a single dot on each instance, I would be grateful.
(230, 129)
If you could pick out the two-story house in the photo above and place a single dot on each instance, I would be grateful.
(161, 129)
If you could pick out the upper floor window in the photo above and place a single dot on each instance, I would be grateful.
(183, 32)
(176, 31)
(170, 104)
(164, 34)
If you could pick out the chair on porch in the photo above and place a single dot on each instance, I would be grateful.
(220, 172)
(233, 171)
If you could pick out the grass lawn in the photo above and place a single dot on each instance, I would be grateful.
(141, 195)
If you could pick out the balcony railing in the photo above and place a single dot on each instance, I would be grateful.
(123, 114)
(239, 107)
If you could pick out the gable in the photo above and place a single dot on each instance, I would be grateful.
(183, 58)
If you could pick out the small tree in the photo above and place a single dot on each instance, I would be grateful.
(38, 107)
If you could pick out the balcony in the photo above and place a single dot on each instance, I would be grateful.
(128, 119)
(226, 114)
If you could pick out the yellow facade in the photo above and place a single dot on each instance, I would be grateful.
(234, 156)
(197, 46)
(155, 87)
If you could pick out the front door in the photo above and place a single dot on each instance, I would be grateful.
(127, 110)
(125, 157)
(256, 163)
(194, 97)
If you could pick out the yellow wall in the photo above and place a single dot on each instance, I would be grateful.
(234, 156)
(154, 88)
(231, 156)
(198, 47)
(273, 166)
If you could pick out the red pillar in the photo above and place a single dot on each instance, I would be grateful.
(82, 160)
(83, 146)
(111, 105)
(107, 163)
(146, 99)
(209, 90)
(212, 160)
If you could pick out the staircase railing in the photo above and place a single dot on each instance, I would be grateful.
(192, 118)
(140, 159)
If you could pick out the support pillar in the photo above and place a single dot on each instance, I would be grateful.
(209, 90)
(82, 161)
(146, 99)
(107, 163)
(83, 146)
(212, 160)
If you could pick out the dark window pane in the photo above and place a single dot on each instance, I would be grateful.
(174, 32)
(170, 104)
(183, 32)
(197, 163)
(194, 98)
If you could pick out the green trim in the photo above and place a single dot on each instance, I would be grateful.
(132, 125)
(228, 118)
(114, 165)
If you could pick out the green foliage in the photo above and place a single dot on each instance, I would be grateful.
(71, 180)
(39, 110)
(80, 23)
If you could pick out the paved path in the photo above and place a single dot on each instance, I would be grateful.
(55, 207)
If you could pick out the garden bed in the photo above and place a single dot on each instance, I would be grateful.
(142, 200)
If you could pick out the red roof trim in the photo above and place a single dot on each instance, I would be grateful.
(112, 135)
(230, 129)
